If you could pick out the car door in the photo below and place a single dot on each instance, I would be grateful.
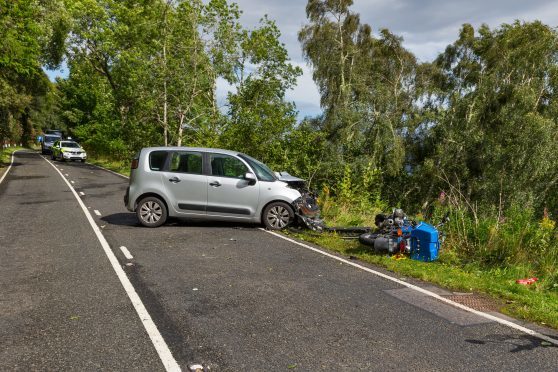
(185, 183)
(228, 193)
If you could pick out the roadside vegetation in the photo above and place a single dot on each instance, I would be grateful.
(474, 132)
(6, 157)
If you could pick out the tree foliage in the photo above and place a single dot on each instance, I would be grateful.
(478, 122)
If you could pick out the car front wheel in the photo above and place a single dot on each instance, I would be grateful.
(277, 215)
(151, 212)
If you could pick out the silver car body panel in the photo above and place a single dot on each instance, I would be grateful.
(203, 195)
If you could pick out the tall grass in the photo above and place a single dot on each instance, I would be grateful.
(513, 239)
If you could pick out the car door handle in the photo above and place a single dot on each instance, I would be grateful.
(174, 179)
(215, 184)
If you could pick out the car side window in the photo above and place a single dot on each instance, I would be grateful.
(186, 162)
(157, 160)
(227, 166)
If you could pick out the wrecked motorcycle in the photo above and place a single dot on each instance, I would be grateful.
(396, 233)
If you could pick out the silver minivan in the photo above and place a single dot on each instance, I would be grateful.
(208, 184)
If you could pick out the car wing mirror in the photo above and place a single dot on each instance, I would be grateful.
(250, 177)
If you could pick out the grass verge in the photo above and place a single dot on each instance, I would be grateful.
(118, 166)
(5, 157)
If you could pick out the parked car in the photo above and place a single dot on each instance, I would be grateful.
(208, 184)
(68, 150)
(47, 141)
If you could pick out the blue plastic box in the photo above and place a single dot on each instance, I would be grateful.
(424, 243)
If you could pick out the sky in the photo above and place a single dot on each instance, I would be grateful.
(427, 27)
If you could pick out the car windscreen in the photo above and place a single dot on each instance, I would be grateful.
(262, 171)
(51, 138)
(69, 144)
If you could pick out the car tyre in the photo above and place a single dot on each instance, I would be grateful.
(277, 216)
(151, 212)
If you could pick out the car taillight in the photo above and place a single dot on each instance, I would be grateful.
(135, 163)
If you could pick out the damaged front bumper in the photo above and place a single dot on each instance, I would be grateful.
(308, 212)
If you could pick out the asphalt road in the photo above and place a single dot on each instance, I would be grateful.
(231, 297)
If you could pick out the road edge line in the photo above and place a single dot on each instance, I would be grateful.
(422, 290)
(155, 336)
(110, 171)
(9, 167)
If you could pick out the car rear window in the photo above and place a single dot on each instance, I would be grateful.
(51, 138)
(157, 160)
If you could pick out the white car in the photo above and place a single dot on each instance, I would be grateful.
(68, 150)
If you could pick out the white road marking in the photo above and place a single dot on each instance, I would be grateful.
(72, 182)
(422, 290)
(67, 175)
(97, 212)
(126, 253)
(159, 343)
(10, 167)
(82, 193)
(110, 171)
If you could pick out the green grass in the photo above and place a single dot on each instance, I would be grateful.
(118, 166)
(5, 156)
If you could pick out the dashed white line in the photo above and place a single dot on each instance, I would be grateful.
(66, 174)
(97, 212)
(72, 182)
(81, 193)
(126, 253)
(158, 341)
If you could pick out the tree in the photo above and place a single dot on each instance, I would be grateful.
(30, 34)
(368, 88)
(496, 132)
(259, 116)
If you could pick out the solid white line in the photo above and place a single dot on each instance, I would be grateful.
(97, 212)
(158, 342)
(126, 253)
(422, 290)
(110, 171)
(9, 167)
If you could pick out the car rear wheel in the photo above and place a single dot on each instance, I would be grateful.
(151, 212)
(277, 216)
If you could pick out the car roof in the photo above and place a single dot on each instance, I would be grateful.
(199, 149)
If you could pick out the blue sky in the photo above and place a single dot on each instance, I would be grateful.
(427, 27)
